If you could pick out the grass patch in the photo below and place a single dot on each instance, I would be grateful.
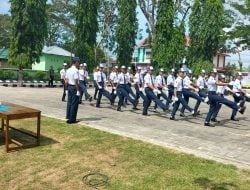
(67, 153)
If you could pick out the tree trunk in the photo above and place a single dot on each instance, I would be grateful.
(20, 77)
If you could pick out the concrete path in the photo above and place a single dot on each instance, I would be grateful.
(228, 142)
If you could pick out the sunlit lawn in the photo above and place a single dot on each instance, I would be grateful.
(68, 152)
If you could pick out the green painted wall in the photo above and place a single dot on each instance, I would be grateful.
(47, 60)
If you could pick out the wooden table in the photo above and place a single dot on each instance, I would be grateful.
(19, 112)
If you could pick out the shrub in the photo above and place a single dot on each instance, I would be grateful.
(40, 75)
(199, 65)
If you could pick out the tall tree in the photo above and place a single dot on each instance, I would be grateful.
(5, 30)
(149, 10)
(242, 29)
(206, 24)
(126, 31)
(86, 30)
(107, 18)
(28, 33)
(162, 46)
(60, 26)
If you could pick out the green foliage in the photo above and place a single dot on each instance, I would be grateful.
(167, 37)
(126, 31)
(229, 70)
(5, 30)
(29, 31)
(40, 75)
(60, 15)
(107, 18)
(198, 65)
(242, 29)
(86, 30)
(26, 76)
(100, 56)
(7, 74)
(206, 23)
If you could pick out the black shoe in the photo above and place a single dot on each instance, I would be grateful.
(135, 108)
(215, 120)
(234, 119)
(242, 103)
(119, 109)
(172, 118)
(145, 114)
(182, 114)
(136, 103)
(198, 112)
(242, 110)
(80, 102)
(208, 125)
(73, 122)
(94, 98)
(90, 99)
(98, 106)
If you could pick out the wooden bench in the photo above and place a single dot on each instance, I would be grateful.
(14, 113)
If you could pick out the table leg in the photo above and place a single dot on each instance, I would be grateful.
(7, 135)
(38, 128)
(2, 124)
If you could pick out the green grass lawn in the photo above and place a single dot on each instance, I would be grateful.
(68, 152)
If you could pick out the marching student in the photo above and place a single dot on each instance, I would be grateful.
(220, 92)
(188, 91)
(86, 78)
(178, 87)
(201, 84)
(240, 94)
(63, 75)
(128, 86)
(139, 84)
(101, 81)
(150, 91)
(170, 83)
(95, 79)
(214, 99)
(160, 83)
(113, 77)
(123, 79)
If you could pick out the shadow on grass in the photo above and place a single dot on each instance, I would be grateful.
(92, 118)
(24, 139)
(205, 183)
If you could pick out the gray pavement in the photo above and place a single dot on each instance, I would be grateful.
(227, 142)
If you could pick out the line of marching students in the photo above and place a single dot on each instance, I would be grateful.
(175, 90)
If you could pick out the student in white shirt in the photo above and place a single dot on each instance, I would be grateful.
(123, 80)
(170, 83)
(101, 81)
(72, 76)
(161, 85)
(240, 94)
(178, 86)
(150, 91)
(214, 99)
(94, 81)
(188, 91)
(113, 77)
(62, 76)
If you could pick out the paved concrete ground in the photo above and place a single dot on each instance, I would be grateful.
(227, 142)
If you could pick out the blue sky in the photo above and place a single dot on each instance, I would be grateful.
(5, 6)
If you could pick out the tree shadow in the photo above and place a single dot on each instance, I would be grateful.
(206, 183)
